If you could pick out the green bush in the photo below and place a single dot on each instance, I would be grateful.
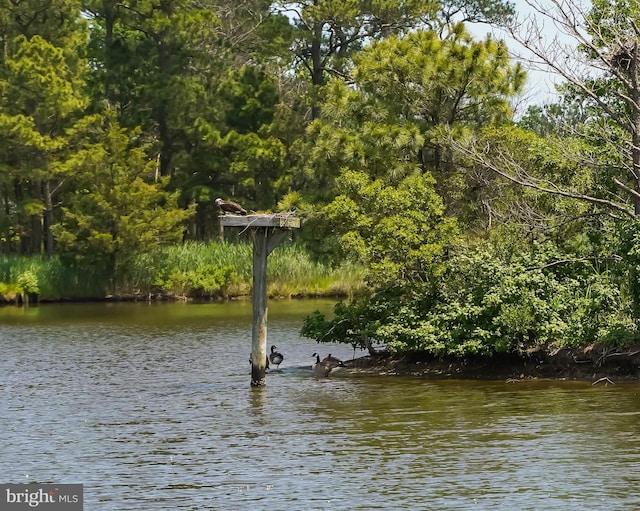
(206, 282)
(484, 304)
(28, 282)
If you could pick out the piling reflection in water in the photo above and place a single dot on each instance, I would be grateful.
(150, 408)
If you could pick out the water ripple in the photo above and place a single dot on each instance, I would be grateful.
(152, 410)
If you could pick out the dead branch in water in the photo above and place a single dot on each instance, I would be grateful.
(605, 379)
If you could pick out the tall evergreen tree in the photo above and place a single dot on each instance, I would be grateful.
(329, 32)
(42, 72)
(404, 90)
(193, 76)
(117, 209)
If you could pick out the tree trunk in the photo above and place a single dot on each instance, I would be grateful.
(635, 136)
(35, 245)
(109, 21)
(162, 108)
(317, 72)
(47, 217)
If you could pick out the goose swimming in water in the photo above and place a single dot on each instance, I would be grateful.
(329, 360)
(326, 365)
(276, 357)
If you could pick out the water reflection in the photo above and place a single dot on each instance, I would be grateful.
(258, 399)
(151, 408)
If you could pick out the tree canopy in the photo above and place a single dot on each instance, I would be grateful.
(387, 126)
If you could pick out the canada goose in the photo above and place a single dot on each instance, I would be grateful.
(333, 360)
(329, 360)
(325, 366)
(276, 357)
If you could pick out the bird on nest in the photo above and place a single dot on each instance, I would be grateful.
(228, 206)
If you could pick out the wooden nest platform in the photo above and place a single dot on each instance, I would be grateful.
(280, 220)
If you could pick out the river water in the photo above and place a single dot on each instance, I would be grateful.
(150, 407)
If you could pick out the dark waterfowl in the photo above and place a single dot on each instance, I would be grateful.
(319, 368)
(333, 360)
(323, 367)
(276, 357)
(330, 360)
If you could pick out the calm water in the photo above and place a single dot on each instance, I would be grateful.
(150, 407)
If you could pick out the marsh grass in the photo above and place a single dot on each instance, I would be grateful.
(51, 279)
(190, 270)
(291, 271)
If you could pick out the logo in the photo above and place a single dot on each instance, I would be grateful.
(47, 497)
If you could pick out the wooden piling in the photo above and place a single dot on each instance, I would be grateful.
(267, 232)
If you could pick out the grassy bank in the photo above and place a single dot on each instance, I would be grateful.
(192, 270)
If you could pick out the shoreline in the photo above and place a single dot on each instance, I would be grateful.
(600, 365)
(158, 298)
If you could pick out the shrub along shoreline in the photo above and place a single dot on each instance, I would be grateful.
(203, 271)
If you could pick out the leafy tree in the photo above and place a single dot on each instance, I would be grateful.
(56, 21)
(117, 209)
(197, 78)
(236, 152)
(538, 182)
(490, 302)
(405, 91)
(603, 73)
(561, 119)
(476, 11)
(440, 82)
(398, 232)
(594, 131)
(148, 51)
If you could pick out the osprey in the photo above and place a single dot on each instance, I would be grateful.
(230, 207)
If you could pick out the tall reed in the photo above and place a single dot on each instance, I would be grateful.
(192, 269)
(291, 271)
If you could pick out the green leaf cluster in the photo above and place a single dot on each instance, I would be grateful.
(117, 210)
(484, 305)
(398, 232)
(204, 282)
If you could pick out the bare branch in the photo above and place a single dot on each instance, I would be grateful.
(504, 165)
(597, 52)
(624, 187)
(570, 51)
(569, 261)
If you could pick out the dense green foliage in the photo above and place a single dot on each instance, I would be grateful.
(487, 303)
(398, 246)
(453, 228)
